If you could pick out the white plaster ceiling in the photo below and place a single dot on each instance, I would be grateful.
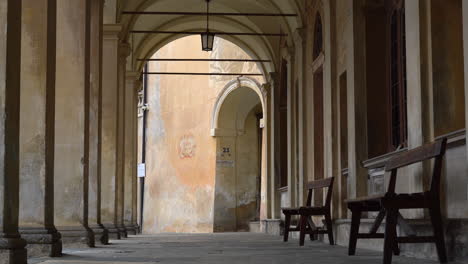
(144, 45)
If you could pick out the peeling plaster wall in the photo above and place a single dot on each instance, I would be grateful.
(237, 178)
(181, 154)
(247, 174)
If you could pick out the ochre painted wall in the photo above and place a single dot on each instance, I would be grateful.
(181, 153)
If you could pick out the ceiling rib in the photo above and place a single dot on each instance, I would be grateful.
(203, 32)
(203, 73)
(204, 14)
(218, 60)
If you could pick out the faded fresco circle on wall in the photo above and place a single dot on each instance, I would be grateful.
(187, 146)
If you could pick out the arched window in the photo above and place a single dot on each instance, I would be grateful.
(318, 37)
(397, 73)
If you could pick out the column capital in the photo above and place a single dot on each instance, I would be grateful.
(111, 31)
(266, 89)
(273, 78)
(300, 35)
(287, 52)
(133, 76)
(124, 50)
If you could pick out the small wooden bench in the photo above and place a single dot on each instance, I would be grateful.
(306, 225)
(389, 204)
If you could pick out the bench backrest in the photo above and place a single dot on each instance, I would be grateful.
(320, 184)
(434, 150)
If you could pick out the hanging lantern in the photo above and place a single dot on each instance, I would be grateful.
(207, 39)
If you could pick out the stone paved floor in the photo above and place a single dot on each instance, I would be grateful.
(225, 248)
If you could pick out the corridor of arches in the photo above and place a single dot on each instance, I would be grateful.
(138, 122)
(202, 145)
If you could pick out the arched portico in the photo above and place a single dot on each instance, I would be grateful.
(237, 125)
(217, 128)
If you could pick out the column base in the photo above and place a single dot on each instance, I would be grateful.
(101, 234)
(122, 231)
(112, 231)
(77, 237)
(131, 229)
(12, 250)
(42, 242)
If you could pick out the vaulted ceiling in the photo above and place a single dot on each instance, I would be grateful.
(261, 47)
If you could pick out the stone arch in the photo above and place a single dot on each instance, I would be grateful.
(275, 6)
(245, 82)
(240, 139)
(256, 47)
(144, 45)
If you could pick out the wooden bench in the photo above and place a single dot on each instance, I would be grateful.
(389, 204)
(306, 225)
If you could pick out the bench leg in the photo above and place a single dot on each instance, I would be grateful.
(378, 221)
(329, 224)
(287, 225)
(436, 219)
(303, 229)
(396, 247)
(355, 222)
(312, 227)
(390, 235)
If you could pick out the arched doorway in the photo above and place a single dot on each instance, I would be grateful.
(238, 129)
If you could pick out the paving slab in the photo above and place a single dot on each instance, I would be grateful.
(219, 248)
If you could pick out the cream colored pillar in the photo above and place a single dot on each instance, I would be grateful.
(140, 123)
(465, 51)
(94, 174)
(72, 82)
(275, 195)
(37, 106)
(136, 95)
(124, 52)
(130, 180)
(265, 191)
(299, 42)
(11, 245)
(291, 91)
(419, 92)
(357, 102)
(108, 131)
(330, 106)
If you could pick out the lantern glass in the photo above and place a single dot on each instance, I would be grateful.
(207, 41)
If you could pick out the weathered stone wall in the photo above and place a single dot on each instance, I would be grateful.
(181, 153)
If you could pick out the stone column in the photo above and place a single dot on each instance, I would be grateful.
(12, 247)
(299, 42)
(108, 126)
(72, 82)
(130, 179)
(419, 93)
(140, 123)
(465, 51)
(274, 196)
(37, 107)
(137, 89)
(267, 167)
(357, 101)
(124, 52)
(291, 116)
(94, 215)
(332, 155)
